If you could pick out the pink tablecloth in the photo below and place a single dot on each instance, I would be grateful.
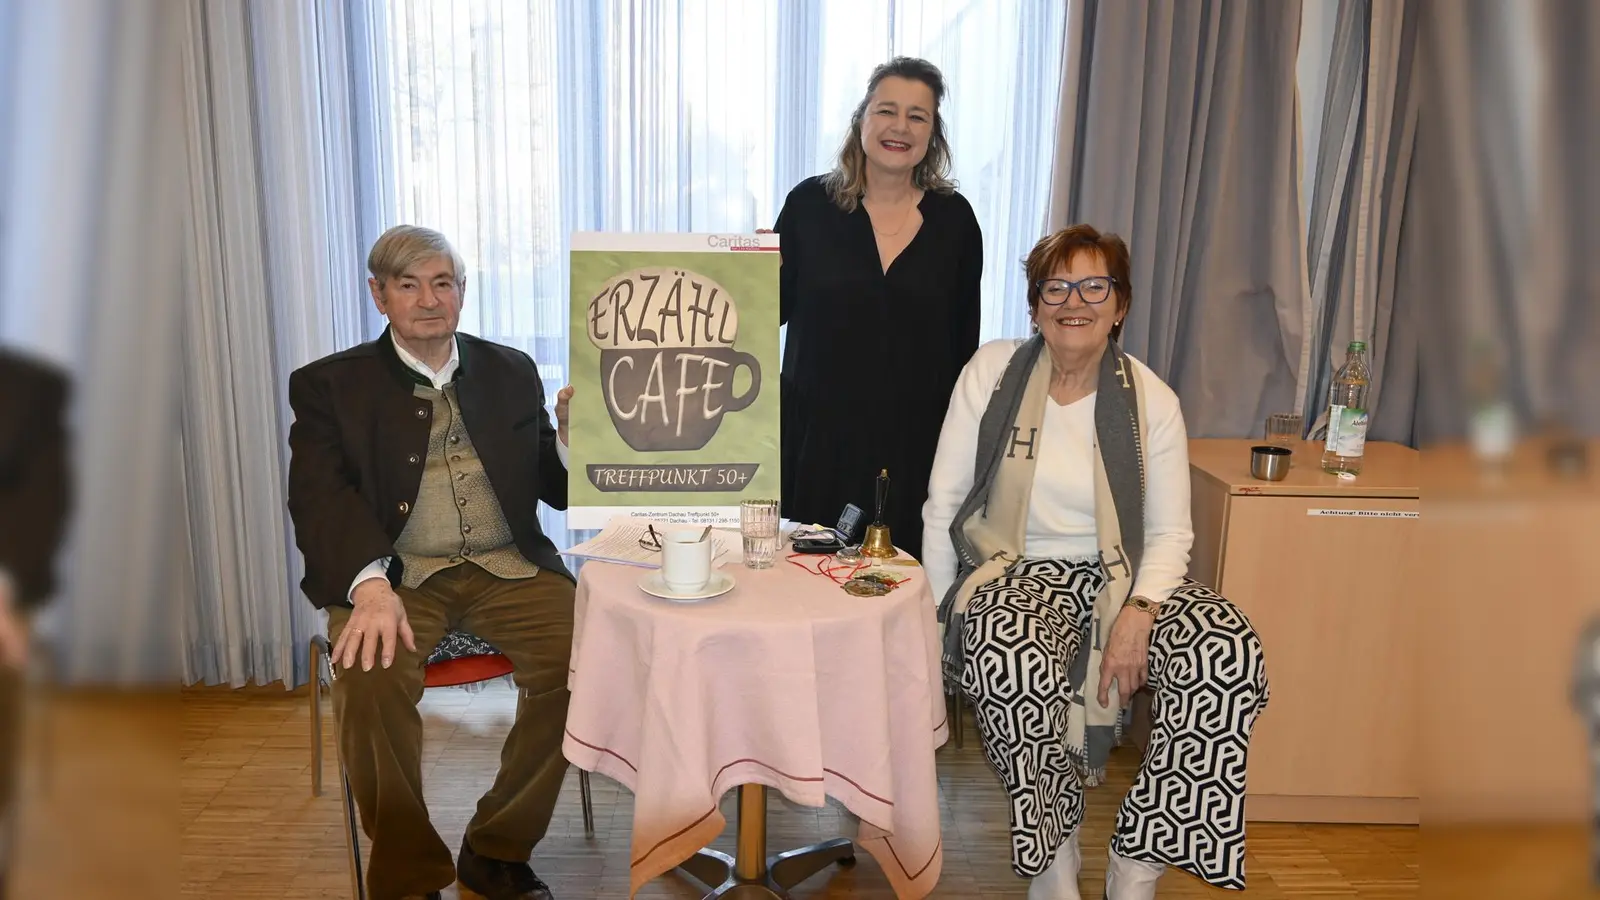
(785, 681)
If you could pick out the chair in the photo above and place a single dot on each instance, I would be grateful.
(460, 660)
(955, 703)
(957, 709)
(44, 672)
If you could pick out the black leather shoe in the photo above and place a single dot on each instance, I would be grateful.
(497, 879)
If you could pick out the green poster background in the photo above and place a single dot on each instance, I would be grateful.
(750, 435)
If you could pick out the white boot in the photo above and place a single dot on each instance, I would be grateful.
(1131, 879)
(1060, 881)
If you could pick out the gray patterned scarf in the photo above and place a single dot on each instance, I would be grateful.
(990, 527)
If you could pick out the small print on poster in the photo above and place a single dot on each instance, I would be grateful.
(674, 363)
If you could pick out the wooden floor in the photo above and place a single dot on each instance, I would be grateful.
(251, 829)
(207, 794)
(98, 812)
(247, 826)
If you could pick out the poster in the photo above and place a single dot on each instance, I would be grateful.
(674, 362)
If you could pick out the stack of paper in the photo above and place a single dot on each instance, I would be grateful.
(625, 539)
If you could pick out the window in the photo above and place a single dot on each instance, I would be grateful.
(509, 126)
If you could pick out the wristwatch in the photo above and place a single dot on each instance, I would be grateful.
(1143, 604)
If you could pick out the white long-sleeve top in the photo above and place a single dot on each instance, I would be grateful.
(1061, 521)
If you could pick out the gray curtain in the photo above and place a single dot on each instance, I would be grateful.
(1179, 132)
(1362, 169)
(1502, 250)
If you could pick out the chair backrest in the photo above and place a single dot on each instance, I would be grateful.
(463, 658)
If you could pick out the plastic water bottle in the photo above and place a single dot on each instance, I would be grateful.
(1347, 413)
(1492, 429)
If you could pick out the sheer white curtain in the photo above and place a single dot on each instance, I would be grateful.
(511, 125)
(90, 212)
(1002, 65)
(272, 280)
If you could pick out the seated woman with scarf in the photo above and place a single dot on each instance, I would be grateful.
(1057, 533)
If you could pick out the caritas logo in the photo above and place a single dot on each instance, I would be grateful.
(732, 242)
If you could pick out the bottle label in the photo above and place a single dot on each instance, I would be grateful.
(1352, 433)
(1335, 413)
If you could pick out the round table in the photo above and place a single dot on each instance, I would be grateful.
(787, 682)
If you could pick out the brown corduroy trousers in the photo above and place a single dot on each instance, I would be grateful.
(380, 729)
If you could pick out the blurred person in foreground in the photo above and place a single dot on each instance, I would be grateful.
(1058, 535)
(35, 498)
(418, 461)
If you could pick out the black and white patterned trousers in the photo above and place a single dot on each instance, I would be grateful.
(1208, 675)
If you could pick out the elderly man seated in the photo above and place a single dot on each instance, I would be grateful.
(417, 464)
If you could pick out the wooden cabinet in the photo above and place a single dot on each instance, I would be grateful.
(1511, 568)
(1321, 568)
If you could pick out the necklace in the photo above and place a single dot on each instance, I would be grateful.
(904, 218)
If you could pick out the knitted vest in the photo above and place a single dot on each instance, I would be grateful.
(456, 517)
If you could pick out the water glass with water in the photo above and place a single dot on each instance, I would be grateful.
(758, 525)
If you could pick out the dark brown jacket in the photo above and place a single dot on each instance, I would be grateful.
(360, 439)
(35, 475)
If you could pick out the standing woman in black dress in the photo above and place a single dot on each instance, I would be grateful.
(882, 261)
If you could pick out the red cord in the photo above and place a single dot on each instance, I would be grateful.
(826, 569)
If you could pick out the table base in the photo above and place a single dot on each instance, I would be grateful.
(753, 875)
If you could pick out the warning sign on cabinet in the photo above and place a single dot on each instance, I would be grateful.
(1366, 513)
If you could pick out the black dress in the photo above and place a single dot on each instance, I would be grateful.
(871, 357)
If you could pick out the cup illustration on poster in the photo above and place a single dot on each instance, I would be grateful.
(668, 367)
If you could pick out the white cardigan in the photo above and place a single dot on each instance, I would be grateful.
(1061, 506)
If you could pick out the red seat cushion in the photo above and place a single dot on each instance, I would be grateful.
(466, 670)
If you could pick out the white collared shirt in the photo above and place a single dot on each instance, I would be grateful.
(379, 568)
(438, 379)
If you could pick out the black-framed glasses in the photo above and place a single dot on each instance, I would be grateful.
(1092, 290)
(651, 539)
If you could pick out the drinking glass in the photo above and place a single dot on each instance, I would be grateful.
(758, 525)
(1283, 430)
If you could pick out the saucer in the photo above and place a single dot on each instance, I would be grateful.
(720, 583)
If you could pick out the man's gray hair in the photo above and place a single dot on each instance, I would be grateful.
(403, 246)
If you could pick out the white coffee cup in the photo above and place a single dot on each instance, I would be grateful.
(685, 559)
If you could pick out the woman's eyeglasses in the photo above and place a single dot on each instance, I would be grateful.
(1055, 291)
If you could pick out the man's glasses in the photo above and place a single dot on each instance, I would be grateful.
(1055, 291)
(651, 539)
